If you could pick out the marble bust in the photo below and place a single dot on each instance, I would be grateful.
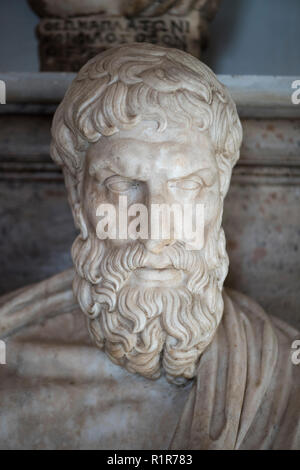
(170, 359)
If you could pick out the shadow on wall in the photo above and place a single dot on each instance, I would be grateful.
(257, 37)
(18, 44)
(224, 31)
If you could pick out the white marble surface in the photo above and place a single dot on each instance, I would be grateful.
(58, 391)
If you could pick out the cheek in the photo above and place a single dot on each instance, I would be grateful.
(94, 195)
(212, 204)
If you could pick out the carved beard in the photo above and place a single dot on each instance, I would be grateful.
(150, 329)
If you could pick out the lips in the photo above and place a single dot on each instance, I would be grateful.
(158, 261)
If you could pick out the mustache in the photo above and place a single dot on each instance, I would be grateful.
(95, 262)
(108, 268)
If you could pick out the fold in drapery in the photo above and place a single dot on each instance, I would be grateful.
(247, 391)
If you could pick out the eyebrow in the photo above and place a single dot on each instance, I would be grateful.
(114, 171)
(113, 165)
(208, 175)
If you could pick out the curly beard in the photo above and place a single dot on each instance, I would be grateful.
(148, 330)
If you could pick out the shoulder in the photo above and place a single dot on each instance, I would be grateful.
(272, 380)
(251, 312)
(37, 302)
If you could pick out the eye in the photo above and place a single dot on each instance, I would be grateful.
(186, 184)
(118, 184)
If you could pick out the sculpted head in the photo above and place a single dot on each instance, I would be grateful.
(156, 126)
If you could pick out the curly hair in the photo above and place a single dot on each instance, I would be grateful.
(125, 85)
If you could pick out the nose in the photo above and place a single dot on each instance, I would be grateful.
(156, 197)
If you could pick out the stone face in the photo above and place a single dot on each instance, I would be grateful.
(70, 33)
(154, 126)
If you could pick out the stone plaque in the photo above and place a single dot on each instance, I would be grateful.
(67, 43)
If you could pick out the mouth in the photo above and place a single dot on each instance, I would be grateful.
(160, 275)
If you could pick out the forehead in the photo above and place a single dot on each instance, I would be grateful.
(144, 151)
